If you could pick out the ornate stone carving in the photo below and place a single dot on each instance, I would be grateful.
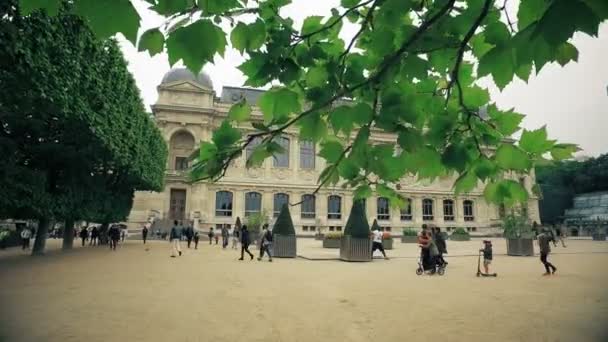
(280, 173)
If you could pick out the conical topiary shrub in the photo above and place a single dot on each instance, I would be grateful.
(284, 225)
(356, 244)
(284, 241)
(375, 225)
(356, 225)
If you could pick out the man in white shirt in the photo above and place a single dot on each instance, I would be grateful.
(26, 234)
(377, 243)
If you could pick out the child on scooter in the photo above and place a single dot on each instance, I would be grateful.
(487, 255)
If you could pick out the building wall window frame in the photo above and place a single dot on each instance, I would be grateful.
(468, 209)
(281, 159)
(251, 147)
(307, 155)
(308, 207)
(448, 210)
(223, 203)
(383, 209)
(406, 211)
(279, 200)
(427, 209)
(334, 207)
(253, 203)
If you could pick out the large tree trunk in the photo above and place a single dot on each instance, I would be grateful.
(103, 234)
(68, 235)
(41, 234)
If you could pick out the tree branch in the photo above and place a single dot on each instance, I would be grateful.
(334, 23)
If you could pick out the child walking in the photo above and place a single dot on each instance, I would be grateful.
(545, 248)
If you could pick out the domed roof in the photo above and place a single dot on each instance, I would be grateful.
(183, 74)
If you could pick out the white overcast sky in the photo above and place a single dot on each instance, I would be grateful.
(572, 101)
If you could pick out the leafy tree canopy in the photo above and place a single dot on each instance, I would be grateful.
(411, 70)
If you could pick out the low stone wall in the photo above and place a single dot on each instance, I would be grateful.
(520, 247)
(355, 249)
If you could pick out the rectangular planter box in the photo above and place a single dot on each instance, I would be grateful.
(409, 239)
(284, 246)
(387, 244)
(460, 237)
(331, 243)
(319, 237)
(599, 237)
(520, 247)
(355, 249)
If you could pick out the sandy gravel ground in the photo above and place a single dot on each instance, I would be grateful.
(139, 294)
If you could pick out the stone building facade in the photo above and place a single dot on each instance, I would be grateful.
(188, 110)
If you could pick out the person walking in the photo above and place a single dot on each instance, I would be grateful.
(174, 238)
(245, 241)
(561, 235)
(94, 236)
(211, 235)
(196, 238)
(123, 234)
(225, 234)
(377, 242)
(266, 244)
(545, 249)
(189, 235)
(114, 234)
(26, 235)
(441, 246)
(235, 238)
(144, 233)
(84, 233)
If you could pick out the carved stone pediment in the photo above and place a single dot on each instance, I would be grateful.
(281, 173)
(254, 172)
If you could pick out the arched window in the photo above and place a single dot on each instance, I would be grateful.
(308, 207)
(280, 200)
(383, 210)
(253, 203)
(307, 154)
(427, 209)
(282, 159)
(468, 211)
(223, 203)
(448, 210)
(406, 211)
(181, 146)
(249, 149)
(334, 207)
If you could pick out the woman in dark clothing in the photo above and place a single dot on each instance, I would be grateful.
(114, 235)
(94, 236)
(84, 233)
(245, 241)
(441, 246)
(196, 238)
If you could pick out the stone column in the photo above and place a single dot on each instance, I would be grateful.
(238, 204)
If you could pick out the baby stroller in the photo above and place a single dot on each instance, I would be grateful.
(430, 265)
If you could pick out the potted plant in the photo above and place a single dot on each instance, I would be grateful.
(356, 244)
(409, 236)
(332, 240)
(284, 235)
(460, 234)
(519, 235)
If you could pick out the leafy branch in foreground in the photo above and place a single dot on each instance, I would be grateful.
(410, 70)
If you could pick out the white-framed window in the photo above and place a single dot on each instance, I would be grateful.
(427, 209)
(282, 159)
(308, 207)
(280, 200)
(253, 203)
(334, 207)
(181, 163)
(307, 154)
(469, 211)
(249, 149)
(406, 211)
(448, 210)
(383, 210)
(223, 203)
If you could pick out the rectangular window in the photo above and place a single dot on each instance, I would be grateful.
(181, 163)
(427, 209)
(312, 228)
(338, 228)
(307, 154)
(282, 159)
(304, 228)
(406, 212)
(468, 211)
(448, 210)
(383, 209)
(308, 207)
(331, 228)
(334, 207)
(253, 203)
(251, 147)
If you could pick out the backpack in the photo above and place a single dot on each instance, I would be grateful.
(269, 236)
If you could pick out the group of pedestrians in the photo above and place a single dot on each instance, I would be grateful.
(432, 248)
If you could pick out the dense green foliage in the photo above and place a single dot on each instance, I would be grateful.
(516, 225)
(284, 224)
(420, 59)
(356, 225)
(76, 141)
(460, 231)
(409, 232)
(560, 181)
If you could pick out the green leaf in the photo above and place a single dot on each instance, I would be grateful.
(348, 169)
(563, 151)
(599, 7)
(248, 37)
(109, 17)
(424, 161)
(476, 97)
(510, 157)
(455, 157)
(500, 62)
(329, 175)
(257, 157)
(506, 123)
(153, 41)
(344, 118)
(311, 24)
(185, 43)
(566, 53)
(349, 3)
(168, 7)
(535, 141)
(331, 151)
(50, 6)
(316, 76)
(210, 7)
(530, 11)
(239, 111)
(225, 136)
(312, 127)
(465, 183)
(563, 18)
(505, 191)
(484, 168)
(479, 45)
(278, 103)
(497, 33)
(363, 191)
(207, 151)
